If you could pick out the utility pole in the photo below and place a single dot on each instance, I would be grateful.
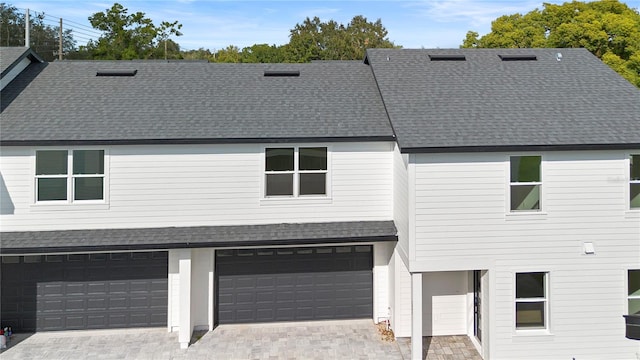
(27, 25)
(60, 42)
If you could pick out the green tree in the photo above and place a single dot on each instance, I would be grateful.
(130, 36)
(44, 38)
(317, 40)
(200, 54)
(362, 34)
(609, 29)
(262, 53)
(230, 54)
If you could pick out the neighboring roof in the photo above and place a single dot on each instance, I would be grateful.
(486, 104)
(10, 56)
(64, 102)
(30, 242)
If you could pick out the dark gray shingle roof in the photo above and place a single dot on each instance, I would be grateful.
(65, 101)
(488, 103)
(193, 237)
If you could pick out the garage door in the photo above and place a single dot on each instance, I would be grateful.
(84, 291)
(266, 285)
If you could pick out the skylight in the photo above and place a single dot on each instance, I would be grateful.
(447, 57)
(116, 72)
(281, 73)
(518, 57)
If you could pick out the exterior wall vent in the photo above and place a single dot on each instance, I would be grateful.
(116, 72)
(518, 57)
(282, 73)
(447, 57)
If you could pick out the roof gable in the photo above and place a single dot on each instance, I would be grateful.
(13, 60)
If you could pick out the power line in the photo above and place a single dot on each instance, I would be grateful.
(83, 26)
(86, 30)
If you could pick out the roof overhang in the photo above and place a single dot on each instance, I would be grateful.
(102, 240)
(511, 148)
(199, 141)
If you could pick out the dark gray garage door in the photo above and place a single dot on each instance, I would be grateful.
(266, 285)
(84, 291)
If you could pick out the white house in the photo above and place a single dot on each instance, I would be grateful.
(492, 193)
(516, 200)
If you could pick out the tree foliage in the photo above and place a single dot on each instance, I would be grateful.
(609, 29)
(131, 36)
(317, 40)
(128, 36)
(314, 39)
(44, 38)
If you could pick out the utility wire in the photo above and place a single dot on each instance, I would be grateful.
(86, 30)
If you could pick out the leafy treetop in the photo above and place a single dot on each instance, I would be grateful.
(609, 29)
(130, 36)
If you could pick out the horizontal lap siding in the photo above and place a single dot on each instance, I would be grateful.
(401, 198)
(461, 204)
(158, 186)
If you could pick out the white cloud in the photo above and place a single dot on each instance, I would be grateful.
(475, 13)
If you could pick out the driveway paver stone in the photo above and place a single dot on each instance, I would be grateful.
(349, 339)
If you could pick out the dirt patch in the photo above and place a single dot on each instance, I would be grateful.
(385, 331)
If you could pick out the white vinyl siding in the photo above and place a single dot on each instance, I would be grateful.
(444, 303)
(461, 225)
(202, 185)
(401, 296)
(401, 198)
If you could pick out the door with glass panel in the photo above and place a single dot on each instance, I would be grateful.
(477, 305)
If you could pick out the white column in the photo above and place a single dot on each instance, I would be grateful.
(381, 255)
(416, 316)
(184, 298)
(212, 291)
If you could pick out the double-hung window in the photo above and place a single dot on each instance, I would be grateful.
(69, 176)
(531, 300)
(633, 288)
(295, 171)
(634, 182)
(526, 181)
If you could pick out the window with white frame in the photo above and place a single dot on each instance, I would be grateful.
(525, 184)
(69, 176)
(295, 171)
(531, 300)
(634, 181)
(633, 288)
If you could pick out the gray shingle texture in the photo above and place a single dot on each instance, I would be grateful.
(486, 102)
(198, 236)
(9, 55)
(66, 101)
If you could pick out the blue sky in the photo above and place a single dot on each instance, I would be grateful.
(215, 24)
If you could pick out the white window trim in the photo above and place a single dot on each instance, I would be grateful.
(70, 203)
(630, 181)
(298, 199)
(547, 300)
(520, 213)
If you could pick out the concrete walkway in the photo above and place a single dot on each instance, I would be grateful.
(352, 339)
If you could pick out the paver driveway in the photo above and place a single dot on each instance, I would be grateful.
(352, 339)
